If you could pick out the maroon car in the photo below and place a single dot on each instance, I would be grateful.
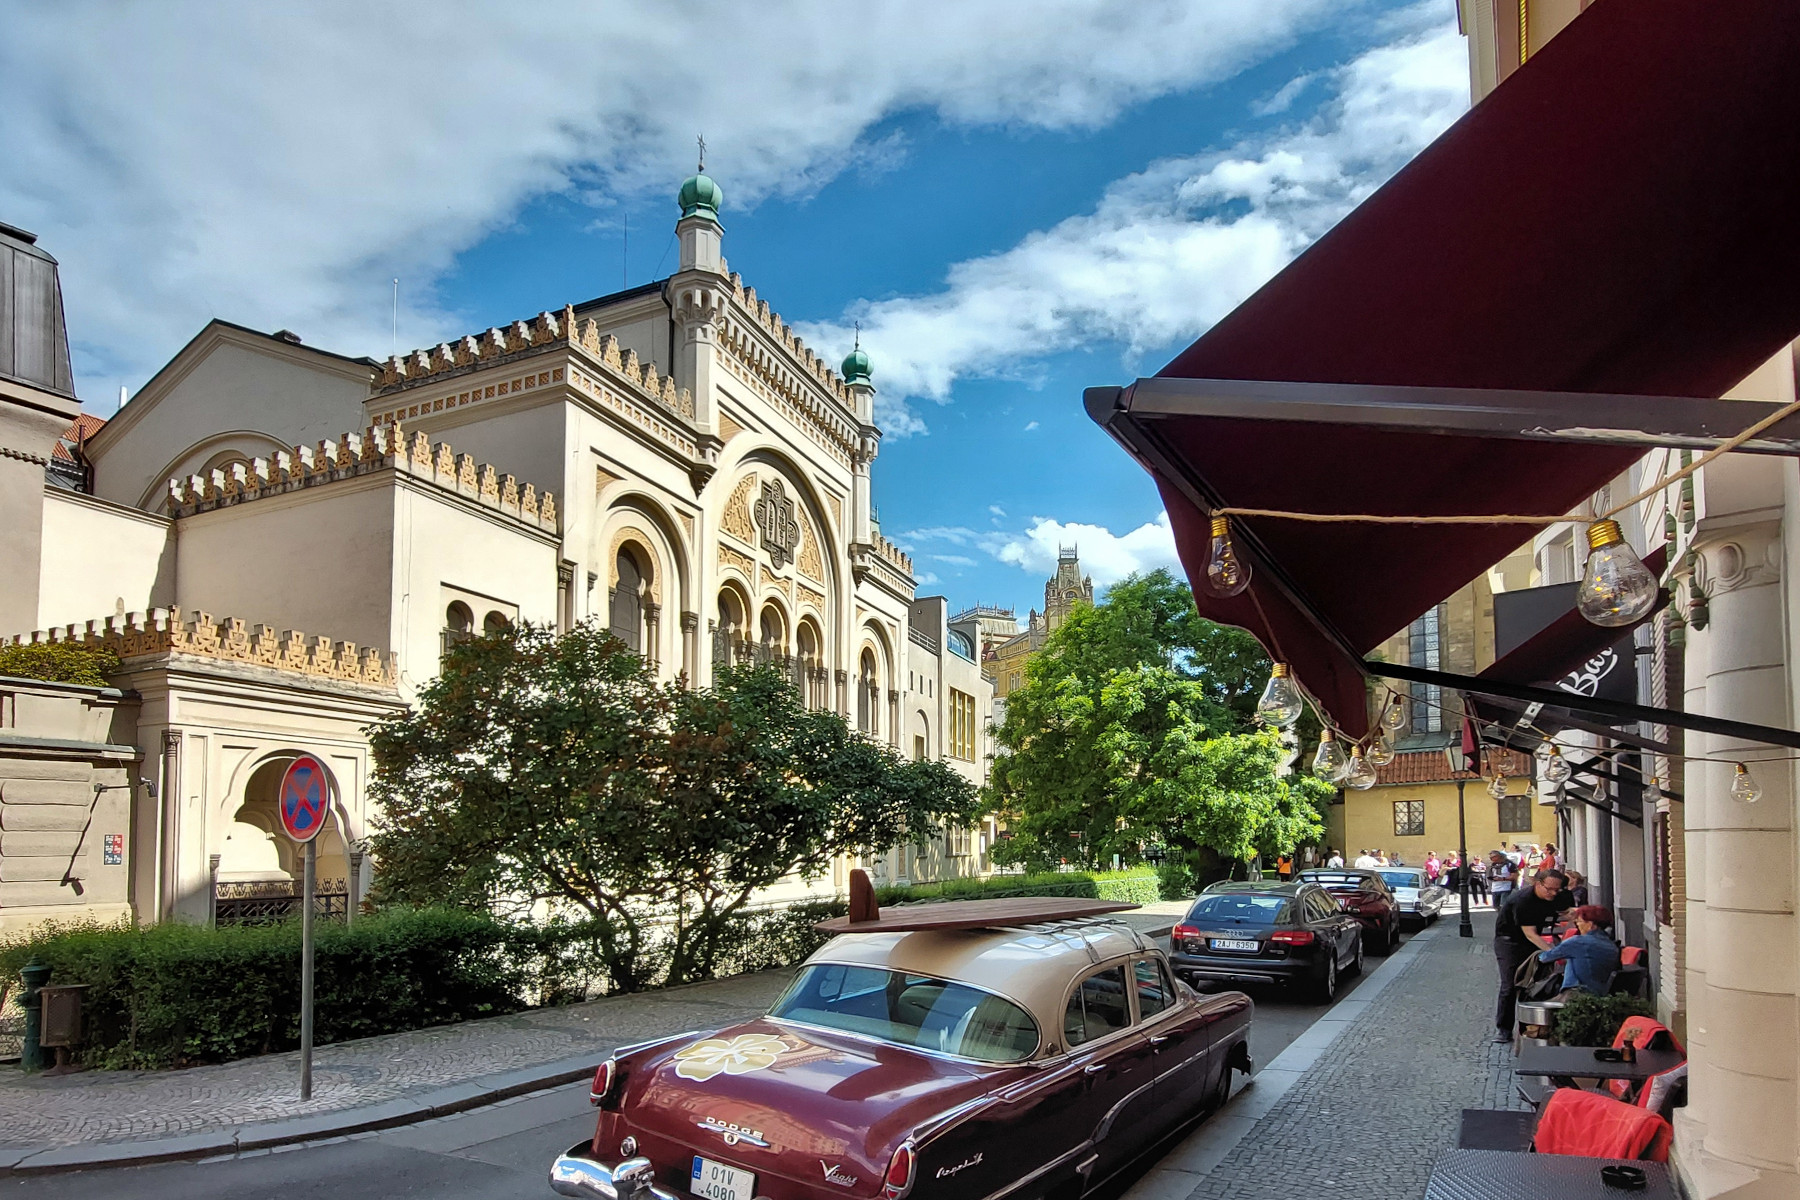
(1365, 895)
(980, 1048)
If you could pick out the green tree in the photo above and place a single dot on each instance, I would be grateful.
(1135, 725)
(539, 768)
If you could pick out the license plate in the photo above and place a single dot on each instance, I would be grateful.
(1232, 944)
(716, 1181)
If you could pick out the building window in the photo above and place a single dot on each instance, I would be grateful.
(918, 747)
(625, 608)
(958, 843)
(1012, 682)
(962, 725)
(868, 694)
(1425, 649)
(459, 624)
(1515, 814)
(1409, 818)
(495, 622)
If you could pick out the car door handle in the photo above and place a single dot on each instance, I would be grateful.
(1093, 1068)
(1158, 1040)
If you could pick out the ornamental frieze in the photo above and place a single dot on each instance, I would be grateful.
(777, 522)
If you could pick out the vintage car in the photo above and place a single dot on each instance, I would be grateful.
(1421, 899)
(987, 1048)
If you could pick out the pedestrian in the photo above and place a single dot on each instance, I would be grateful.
(1366, 861)
(1517, 935)
(1502, 874)
(1394, 860)
(1551, 860)
(1478, 878)
(1578, 888)
(1434, 867)
(1334, 860)
(1284, 867)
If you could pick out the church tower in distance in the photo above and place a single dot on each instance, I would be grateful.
(1067, 588)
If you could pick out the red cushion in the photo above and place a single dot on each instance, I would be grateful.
(1596, 1126)
(1630, 956)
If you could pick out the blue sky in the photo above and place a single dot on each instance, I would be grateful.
(1016, 200)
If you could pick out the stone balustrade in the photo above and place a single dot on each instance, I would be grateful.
(381, 447)
(161, 631)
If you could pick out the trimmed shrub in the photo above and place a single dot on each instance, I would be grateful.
(59, 662)
(1136, 886)
(1175, 879)
(1588, 1020)
(173, 995)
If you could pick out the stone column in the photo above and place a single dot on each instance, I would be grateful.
(565, 595)
(690, 646)
(167, 861)
(1738, 1134)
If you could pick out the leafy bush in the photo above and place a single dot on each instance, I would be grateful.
(1588, 1020)
(172, 994)
(1175, 878)
(59, 662)
(1138, 885)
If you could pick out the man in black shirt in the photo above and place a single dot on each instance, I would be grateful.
(1516, 937)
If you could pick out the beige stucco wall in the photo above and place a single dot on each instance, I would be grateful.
(30, 421)
(1368, 820)
(101, 559)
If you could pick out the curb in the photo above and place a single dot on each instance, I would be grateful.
(261, 1135)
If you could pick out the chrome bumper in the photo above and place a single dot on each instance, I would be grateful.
(576, 1174)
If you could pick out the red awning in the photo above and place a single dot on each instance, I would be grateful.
(1617, 218)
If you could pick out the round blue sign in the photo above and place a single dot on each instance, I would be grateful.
(305, 798)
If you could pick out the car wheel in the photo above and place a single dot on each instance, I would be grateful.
(1326, 988)
(1221, 1091)
(1394, 936)
(1356, 963)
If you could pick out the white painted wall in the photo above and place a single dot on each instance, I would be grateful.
(101, 559)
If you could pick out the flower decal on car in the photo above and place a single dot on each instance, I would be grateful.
(740, 1055)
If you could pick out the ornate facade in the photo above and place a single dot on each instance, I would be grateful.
(670, 461)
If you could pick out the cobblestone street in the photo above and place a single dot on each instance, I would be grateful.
(1379, 1100)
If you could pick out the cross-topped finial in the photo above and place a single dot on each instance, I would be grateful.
(702, 140)
(856, 343)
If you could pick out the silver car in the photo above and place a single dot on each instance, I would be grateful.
(1420, 899)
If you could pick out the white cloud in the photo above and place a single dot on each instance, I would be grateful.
(954, 560)
(278, 164)
(1105, 555)
(1170, 250)
(996, 510)
(1030, 425)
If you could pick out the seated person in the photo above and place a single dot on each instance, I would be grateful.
(1578, 889)
(1591, 956)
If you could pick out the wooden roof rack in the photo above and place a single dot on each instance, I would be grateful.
(866, 917)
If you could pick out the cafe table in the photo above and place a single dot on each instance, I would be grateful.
(1572, 1062)
(1510, 1174)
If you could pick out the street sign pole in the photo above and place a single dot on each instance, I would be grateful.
(306, 968)
(305, 801)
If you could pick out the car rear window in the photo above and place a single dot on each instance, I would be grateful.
(910, 1010)
(1407, 879)
(1250, 910)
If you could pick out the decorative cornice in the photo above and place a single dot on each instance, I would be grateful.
(162, 632)
(24, 456)
(378, 448)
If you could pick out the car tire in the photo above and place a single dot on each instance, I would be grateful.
(1326, 986)
(1394, 937)
(1220, 1093)
(1356, 963)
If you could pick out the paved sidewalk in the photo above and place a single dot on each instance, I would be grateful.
(1365, 1100)
(110, 1118)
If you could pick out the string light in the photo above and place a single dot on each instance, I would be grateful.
(1359, 775)
(1616, 589)
(1226, 573)
(1281, 703)
(1394, 715)
(1381, 751)
(1556, 767)
(1330, 763)
(1497, 785)
(1743, 786)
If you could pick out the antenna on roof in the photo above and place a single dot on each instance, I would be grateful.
(702, 140)
(394, 343)
(625, 253)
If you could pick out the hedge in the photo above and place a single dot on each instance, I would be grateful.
(1588, 1020)
(58, 662)
(173, 995)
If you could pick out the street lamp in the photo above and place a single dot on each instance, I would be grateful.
(1460, 768)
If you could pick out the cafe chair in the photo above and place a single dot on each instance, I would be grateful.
(1597, 1126)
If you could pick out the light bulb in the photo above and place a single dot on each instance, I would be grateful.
(1381, 751)
(1497, 786)
(1330, 762)
(1556, 767)
(1359, 775)
(1617, 588)
(1531, 792)
(1652, 792)
(1226, 573)
(1394, 715)
(1280, 704)
(1543, 752)
(1743, 786)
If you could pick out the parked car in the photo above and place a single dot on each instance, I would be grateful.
(1027, 1056)
(1268, 933)
(1365, 895)
(1420, 899)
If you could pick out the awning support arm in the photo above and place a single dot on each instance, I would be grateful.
(1618, 710)
(1610, 811)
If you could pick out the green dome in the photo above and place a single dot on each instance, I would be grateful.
(700, 197)
(856, 367)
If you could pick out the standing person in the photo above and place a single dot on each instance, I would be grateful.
(1433, 866)
(1284, 867)
(1334, 860)
(1502, 873)
(1366, 861)
(1578, 889)
(1516, 935)
(1551, 860)
(1478, 878)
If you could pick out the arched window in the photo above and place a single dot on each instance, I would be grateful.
(774, 631)
(806, 645)
(495, 622)
(459, 624)
(868, 691)
(626, 606)
(728, 637)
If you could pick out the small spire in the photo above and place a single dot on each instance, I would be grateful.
(856, 342)
(702, 140)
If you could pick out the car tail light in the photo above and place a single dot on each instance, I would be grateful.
(899, 1178)
(605, 1075)
(1292, 937)
(1183, 932)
